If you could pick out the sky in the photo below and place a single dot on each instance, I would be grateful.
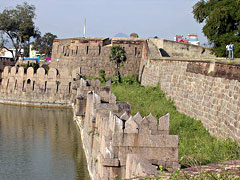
(106, 18)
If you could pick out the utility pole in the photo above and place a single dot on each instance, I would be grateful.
(84, 28)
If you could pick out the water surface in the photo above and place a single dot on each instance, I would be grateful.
(40, 144)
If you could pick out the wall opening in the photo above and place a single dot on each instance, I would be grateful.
(76, 50)
(87, 50)
(28, 81)
(163, 53)
(45, 86)
(7, 84)
(135, 52)
(99, 50)
(33, 85)
(15, 86)
(69, 87)
(57, 83)
(63, 49)
(23, 85)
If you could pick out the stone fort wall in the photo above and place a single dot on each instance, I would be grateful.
(89, 55)
(180, 50)
(118, 144)
(25, 86)
(206, 91)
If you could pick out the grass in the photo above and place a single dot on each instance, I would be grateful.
(196, 146)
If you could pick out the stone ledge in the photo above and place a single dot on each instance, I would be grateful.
(109, 162)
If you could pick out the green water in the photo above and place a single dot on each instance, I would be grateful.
(40, 144)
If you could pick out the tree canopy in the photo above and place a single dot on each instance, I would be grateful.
(118, 56)
(222, 23)
(17, 27)
(44, 44)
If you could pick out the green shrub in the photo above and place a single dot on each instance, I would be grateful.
(102, 76)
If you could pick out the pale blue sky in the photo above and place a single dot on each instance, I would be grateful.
(105, 18)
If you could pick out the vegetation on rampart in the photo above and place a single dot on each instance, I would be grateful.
(118, 56)
(196, 146)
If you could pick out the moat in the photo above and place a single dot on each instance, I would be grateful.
(38, 143)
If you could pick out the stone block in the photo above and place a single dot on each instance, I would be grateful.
(164, 123)
(109, 162)
(131, 126)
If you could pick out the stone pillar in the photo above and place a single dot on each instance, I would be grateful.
(81, 106)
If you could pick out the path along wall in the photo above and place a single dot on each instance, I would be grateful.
(25, 86)
(206, 91)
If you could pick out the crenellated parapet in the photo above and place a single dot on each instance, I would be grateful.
(115, 141)
(28, 80)
(36, 85)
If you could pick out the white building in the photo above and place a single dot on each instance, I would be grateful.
(7, 54)
(33, 53)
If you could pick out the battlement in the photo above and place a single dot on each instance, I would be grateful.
(140, 125)
(111, 134)
(26, 79)
(27, 85)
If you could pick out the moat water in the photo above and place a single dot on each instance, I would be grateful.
(40, 144)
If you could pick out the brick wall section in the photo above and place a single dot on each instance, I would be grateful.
(205, 91)
(92, 54)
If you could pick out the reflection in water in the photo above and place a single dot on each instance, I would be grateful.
(40, 144)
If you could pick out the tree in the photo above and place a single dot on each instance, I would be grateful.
(222, 23)
(44, 44)
(17, 27)
(118, 56)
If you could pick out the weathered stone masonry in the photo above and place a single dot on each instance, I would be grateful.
(113, 139)
(89, 55)
(117, 143)
(24, 86)
(206, 91)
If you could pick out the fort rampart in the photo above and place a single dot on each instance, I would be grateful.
(206, 91)
(118, 144)
(90, 55)
(25, 86)
(113, 139)
(203, 90)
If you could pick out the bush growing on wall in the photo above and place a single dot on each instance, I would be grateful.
(118, 56)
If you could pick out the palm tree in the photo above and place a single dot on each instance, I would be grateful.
(118, 56)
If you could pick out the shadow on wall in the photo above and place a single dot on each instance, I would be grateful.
(163, 53)
(141, 75)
